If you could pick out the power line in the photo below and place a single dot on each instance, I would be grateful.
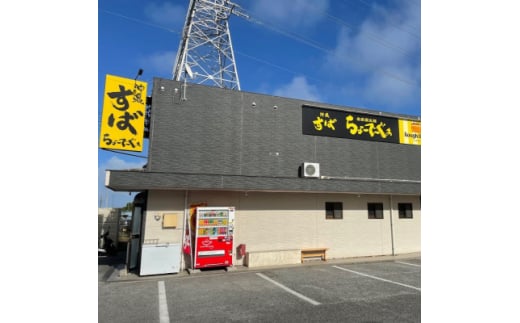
(318, 46)
(140, 21)
(370, 35)
(122, 153)
(297, 37)
(240, 53)
(391, 23)
(276, 66)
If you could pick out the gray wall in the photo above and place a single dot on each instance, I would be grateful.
(219, 131)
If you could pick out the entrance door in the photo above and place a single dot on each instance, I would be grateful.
(135, 238)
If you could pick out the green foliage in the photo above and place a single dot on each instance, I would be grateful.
(128, 207)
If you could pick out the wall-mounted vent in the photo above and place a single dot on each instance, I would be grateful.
(311, 170)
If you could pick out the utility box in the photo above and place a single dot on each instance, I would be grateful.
(241, 250)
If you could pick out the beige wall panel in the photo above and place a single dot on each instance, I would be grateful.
(407, 232)
(270, 221)
(355, 235)
(214, 198)
(158, 204)
(278, 221)
(298, 221)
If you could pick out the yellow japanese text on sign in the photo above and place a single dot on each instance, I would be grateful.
(409, 132)
(124, 109)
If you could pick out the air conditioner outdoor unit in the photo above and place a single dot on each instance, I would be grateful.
(311, 170)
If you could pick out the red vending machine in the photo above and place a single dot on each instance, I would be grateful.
(214, 237)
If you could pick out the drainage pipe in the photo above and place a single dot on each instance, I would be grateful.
(392, 225)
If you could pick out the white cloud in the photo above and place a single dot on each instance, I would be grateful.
(298, 89)
(384, 53)
(107, 197)
(293, 13)
(384, 90)
(166, 14)
(159, 64)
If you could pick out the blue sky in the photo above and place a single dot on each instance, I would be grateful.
(357, 53)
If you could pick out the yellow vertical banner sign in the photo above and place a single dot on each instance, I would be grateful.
(409, 132)
(124, 111)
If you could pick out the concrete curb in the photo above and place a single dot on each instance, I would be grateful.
(120, 272)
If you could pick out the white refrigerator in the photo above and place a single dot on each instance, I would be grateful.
(157, 259)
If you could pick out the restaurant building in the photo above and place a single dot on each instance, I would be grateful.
(297, 174)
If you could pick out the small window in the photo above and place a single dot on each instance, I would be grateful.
(405, 210)
(375, 210)
(333, 210)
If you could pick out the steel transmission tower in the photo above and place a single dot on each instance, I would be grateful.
(205, 54)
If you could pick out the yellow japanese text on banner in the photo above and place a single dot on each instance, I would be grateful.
(124, 111)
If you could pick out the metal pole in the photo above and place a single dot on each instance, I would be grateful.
(392, 225)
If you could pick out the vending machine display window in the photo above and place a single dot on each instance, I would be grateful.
(214, 237)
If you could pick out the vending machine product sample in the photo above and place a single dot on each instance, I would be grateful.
(214, 237)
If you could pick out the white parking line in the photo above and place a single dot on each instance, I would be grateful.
(164, 317)
(378, 278)
(407, 263)
(305, 298)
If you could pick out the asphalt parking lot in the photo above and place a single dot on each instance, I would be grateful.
(381, 291)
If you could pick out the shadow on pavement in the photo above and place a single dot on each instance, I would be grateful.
(112, 260)
(108, 264)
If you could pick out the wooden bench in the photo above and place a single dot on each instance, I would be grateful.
(315, 252)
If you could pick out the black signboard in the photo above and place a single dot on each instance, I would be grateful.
(352, 125)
